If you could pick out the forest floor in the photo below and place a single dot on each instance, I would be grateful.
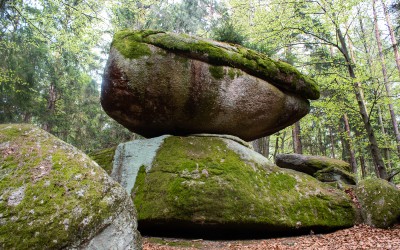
(357, 237)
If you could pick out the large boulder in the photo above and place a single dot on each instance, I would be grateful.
(52, 196)
(216, 186)
(323, 168)
(379, 201)
(159, 83)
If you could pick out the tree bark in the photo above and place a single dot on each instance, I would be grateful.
(283, 139)
(386, 152)
(297, 146)
(363, 167)
(51, 106)
(261, 146)
(353, 162)
(392, 36)
(376, 154)
(345, 152)
(385, 77)
(332, 142)
(276, 145)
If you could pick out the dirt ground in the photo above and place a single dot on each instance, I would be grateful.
(357, 237)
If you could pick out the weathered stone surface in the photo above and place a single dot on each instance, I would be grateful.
(210, 184)
(380, 202)
(52, 196)
(323, 168)
(333, 174)
(163, 83)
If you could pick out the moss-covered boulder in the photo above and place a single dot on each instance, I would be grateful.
(52, 196)
(379, 201)
(215, 185)
(323, 168)
(159, 83)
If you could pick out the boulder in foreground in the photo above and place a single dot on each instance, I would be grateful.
(380, 202)
(52, 196)
(214, 186)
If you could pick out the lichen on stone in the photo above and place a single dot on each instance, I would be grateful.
(379, 201)
(52, 196)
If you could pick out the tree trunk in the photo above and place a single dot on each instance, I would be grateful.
(283, 141)
(376, 154)
(385, 77)
(392, 36)
(353, 162)
(332, 142)
(386, 152)
(51, 107)
(297, 147)
(276, 145)
(343, 142)
(363, 167)
(361, 157)
(261, 146)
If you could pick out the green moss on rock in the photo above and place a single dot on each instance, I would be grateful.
(203, 181)
(52, 196)
(104, 158)
(133, 44)
(217, 71)
(331, 174)
(380, 202)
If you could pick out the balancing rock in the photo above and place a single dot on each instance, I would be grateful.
(158, 83)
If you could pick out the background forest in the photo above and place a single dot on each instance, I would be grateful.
(53, 53)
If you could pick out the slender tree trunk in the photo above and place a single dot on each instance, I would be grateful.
(276, 145)
(363, 167)
(332, 142)
(385, 77)
(386, 152)
(261, 146)
(297, 147)
(27, 117)
(353, 162)
(283, 141)
(392, 36)
(343, 142)
(361, 154)
(51, 106)
(376, 154)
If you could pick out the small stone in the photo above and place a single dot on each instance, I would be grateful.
(16, 196)
(80, 193)
(204, 172)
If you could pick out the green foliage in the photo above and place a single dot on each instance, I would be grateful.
(228, 33)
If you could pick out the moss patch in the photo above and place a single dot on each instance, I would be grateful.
(217, 71)
(200, 180)
(132, 44)
(104, 158)
(320, 162)
(51, 195)
(380, 202)
(331, 174)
